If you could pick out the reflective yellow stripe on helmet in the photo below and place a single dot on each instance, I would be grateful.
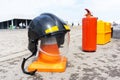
(67, 27)
(51, 29)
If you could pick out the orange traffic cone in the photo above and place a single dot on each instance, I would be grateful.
(49, 58)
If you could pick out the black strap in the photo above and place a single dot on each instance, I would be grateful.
(23, 64)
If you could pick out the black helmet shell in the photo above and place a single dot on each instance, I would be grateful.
(45, 25)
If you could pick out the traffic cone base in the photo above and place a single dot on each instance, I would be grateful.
(42, 66)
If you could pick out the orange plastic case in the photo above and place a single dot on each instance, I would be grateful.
(103, 32)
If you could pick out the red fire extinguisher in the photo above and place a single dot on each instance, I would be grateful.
(89, 32)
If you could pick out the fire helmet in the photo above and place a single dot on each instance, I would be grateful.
(46, 25)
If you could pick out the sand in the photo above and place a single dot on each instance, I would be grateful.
(104, 64)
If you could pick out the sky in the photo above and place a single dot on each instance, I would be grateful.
(68, 10)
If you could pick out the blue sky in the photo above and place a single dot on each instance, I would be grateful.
(68, 10)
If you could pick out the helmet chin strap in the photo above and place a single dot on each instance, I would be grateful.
(33, 54)
(23, 64)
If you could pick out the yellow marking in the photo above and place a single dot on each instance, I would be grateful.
(52, 29)
(67, 27)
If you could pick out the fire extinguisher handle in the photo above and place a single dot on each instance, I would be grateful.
(88, 12)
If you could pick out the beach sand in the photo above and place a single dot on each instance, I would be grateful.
(104, 64)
